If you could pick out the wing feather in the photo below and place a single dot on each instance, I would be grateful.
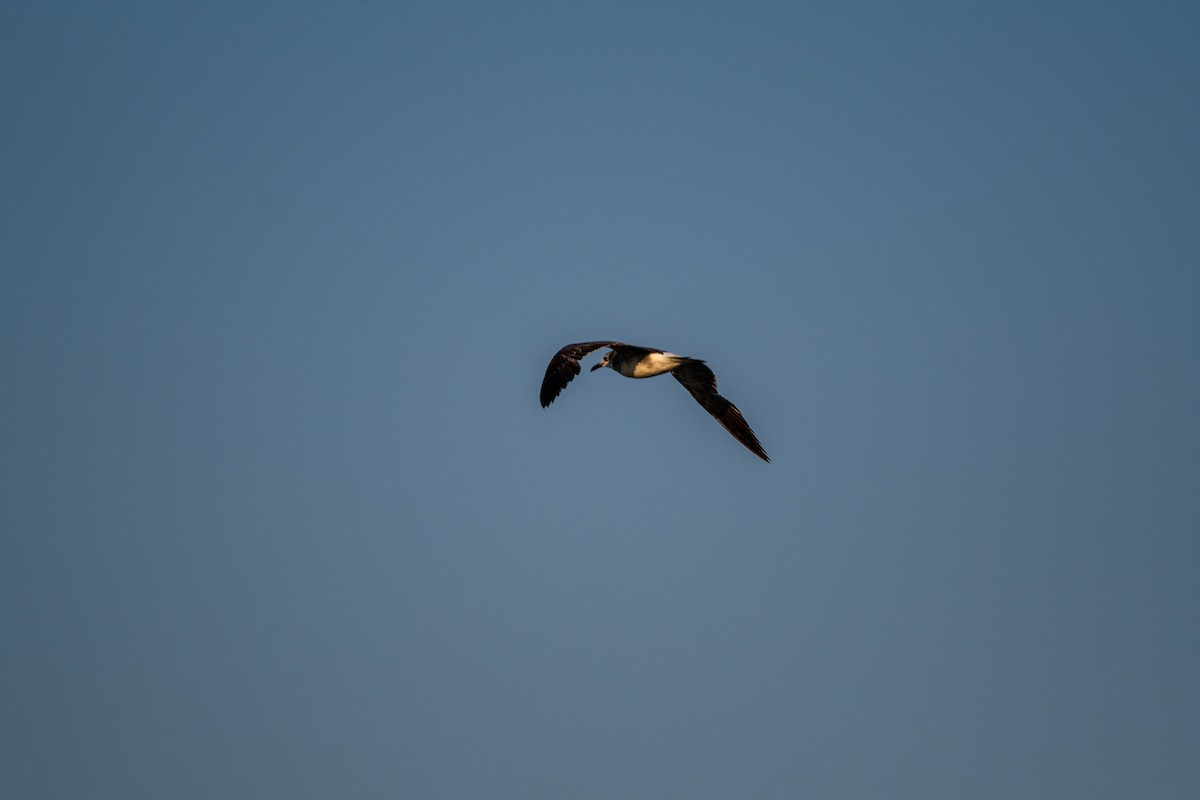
(565, 366)
(699, 380)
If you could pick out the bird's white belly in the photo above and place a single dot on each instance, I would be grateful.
(656, 364)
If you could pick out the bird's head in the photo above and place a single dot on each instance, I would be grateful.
(605, 361)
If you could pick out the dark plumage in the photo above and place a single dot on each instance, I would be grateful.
(565, 366)
(645, 362)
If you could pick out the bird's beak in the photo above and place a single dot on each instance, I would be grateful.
(593, 369)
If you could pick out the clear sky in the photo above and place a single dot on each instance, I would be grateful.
(280, 515)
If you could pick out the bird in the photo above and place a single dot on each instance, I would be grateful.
(633, 361)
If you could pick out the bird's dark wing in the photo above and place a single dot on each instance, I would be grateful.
(565, 366)
(698, 379)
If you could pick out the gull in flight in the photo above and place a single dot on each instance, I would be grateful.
(645, 362)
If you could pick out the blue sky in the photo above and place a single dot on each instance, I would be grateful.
(282, 516)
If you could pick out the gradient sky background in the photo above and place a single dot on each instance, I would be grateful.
(282, 516)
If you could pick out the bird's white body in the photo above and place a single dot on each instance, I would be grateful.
(649, 365)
